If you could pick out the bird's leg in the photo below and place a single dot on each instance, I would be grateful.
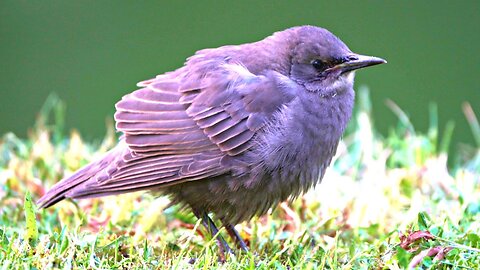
(235, 235)
(210, 226)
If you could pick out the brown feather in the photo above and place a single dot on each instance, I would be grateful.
(178, 128)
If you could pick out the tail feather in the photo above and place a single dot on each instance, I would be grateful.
(60, 190)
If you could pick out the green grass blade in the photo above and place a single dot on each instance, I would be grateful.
(31, 230)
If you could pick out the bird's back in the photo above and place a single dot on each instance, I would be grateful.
(192, 124)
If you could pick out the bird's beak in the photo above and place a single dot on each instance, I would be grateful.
(356, 61)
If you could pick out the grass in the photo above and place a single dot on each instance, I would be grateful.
(386, 203)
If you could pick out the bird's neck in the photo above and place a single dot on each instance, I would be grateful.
(325, 115)
(271, 54)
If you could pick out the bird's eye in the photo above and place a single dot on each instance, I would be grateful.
(319, 65)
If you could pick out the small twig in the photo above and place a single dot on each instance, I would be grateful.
(402, 116)
(457, 245)
(473, 121)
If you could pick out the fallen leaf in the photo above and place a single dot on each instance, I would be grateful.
(439, 252)
(407, 240)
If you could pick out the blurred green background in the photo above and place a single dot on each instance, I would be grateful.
(92, 52)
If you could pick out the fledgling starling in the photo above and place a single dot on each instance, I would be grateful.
(234, 131)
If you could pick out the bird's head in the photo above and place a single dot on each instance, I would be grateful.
(321, 62)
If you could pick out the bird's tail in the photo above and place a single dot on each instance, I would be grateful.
(60, 190)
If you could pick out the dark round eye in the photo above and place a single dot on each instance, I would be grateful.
(319, 65)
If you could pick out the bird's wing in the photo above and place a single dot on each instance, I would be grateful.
(183, 126)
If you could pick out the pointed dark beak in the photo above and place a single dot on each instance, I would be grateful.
(356, 61)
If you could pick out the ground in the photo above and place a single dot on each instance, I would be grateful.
(387, 202)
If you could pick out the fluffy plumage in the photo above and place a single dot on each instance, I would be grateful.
(234, 131)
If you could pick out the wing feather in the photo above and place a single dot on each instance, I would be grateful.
(186, 125)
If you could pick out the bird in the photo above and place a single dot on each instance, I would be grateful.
(233, 132)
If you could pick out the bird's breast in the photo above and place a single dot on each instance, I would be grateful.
(299, 145)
